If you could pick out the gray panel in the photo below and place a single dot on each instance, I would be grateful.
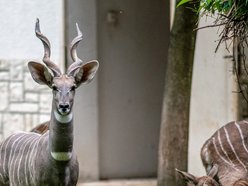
(132, 58)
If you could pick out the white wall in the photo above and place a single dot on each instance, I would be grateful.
(213, 102)
(17, 20)
(23, 99)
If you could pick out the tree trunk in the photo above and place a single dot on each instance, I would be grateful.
(173, 147)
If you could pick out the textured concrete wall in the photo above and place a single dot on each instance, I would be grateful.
(213, 102)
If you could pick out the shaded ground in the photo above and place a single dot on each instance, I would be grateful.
(146, 182)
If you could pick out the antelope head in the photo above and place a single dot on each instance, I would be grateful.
(63, 85)
(200, 181)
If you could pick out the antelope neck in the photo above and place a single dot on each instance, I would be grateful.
(61, 136)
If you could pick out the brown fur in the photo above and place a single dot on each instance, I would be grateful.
(199, 181)
(225, 157)
(41, 128)
(232, 164)
(242, 182)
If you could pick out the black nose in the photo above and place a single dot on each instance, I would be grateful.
(64, 106)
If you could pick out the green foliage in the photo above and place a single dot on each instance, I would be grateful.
(220, 6)
(231, 14)
(183, 2)
(212, 6)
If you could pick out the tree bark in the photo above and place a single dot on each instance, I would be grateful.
(173, 147)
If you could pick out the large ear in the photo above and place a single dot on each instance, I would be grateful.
(213, 171)
(189, 178)
(40, 73)
(86, 72)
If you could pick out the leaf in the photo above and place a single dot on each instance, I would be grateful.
(183, 2)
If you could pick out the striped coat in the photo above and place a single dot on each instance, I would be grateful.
(32, 159)
(24, 162)
(228, 149)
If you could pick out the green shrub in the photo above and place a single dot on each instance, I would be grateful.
(231, 14)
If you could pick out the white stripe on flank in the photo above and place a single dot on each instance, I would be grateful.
(13, 158)
(11, 151)
(61, 156)
(216, 149)
(206, 153)
(61, 118)
(34, 156)
(25, 161)
(1, 158)
(222, 148)
(2, 177)
(29, 138)
(26, 164)
(245, 121)
(18, 155)
(230, 143)
(206, 156)
(241, 136)
(29, 161)
(5, 156)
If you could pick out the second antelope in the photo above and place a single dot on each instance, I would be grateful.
(48, 159)
(225, 156)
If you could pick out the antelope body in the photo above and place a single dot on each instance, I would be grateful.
(228, 148)
(48, 159)
(226, 154)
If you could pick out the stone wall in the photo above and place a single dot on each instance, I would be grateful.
(23, 102)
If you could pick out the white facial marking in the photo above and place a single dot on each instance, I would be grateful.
(61, 118)
(61, 156)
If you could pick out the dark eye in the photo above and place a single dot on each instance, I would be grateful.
(73, 87)
(54, 88)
